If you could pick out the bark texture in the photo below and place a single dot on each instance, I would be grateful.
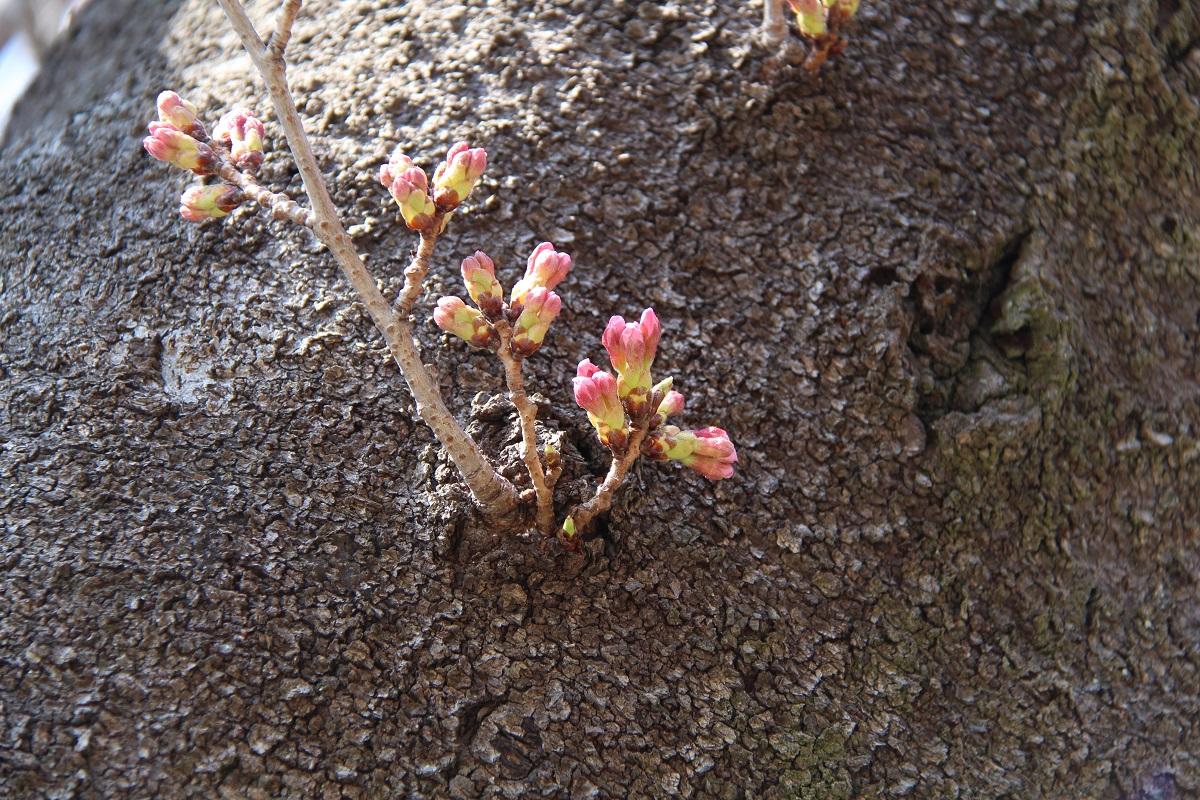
(945, 296)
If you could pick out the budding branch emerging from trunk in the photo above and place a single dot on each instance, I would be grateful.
(494, 493)
(821, 22)
(628, 413)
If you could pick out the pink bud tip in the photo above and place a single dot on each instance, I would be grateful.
(209, 202)
(671, 405)
(709, 451)
(479, 275)
(539, 309)
(587, 369)
(596, 392)
(243, 134)
(454, 316)
(631, 347)
(179, 149)
(455, 177)
(173, 110)
(545, 268)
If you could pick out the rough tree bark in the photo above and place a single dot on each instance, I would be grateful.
(945, 296)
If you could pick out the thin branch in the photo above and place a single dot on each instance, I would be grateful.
(584, 513)
(414, 275)
(283, 28)
(527, 413)
(774, 24)
(280, 206)
(492, 491)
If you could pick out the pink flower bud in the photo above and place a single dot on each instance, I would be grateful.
(409, 187)
(209, 202)
(454, 316)
(177, 148)
(671, 404)
(243, 134)
(596, 393)
(631, 347)
(709, 451)
(479, 274)
(546, 268)
(539, 309)
(396, 165)
(179, 114)
(455, 177)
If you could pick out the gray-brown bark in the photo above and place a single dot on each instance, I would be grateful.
(944, 296)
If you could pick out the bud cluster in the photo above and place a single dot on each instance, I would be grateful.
(453, 180)
(531, 308)
(179, 138)
(616, 406)
(243, 135)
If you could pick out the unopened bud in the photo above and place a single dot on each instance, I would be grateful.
(631, 348)
(479, 274)
(596, 393)
(178, 149)
(540, 308)
(455, 177)
(671, 404)
(173, 110)
(209, 202)
(709, 451)
(243, 133)
(546, 268)
(409, 187)
(454, 316)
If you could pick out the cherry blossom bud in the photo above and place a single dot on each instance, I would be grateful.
(455, 177)
(631, 347)
(596, 393)
(539, 309)
(479, 274)
(243, 134)
(671, 404)
(707, 450)
(209, 202)
(810, 17)
(179, 114)
(454, 316)
(177, 148)
(546, 268)
(409, 187)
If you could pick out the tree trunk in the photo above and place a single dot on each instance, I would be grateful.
(945, 296)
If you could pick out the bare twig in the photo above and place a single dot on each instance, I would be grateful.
(280, 206)
(774, 24)
(283, 28)
(584, 513)
(492, 491)
(414, 275)
(527, 413)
